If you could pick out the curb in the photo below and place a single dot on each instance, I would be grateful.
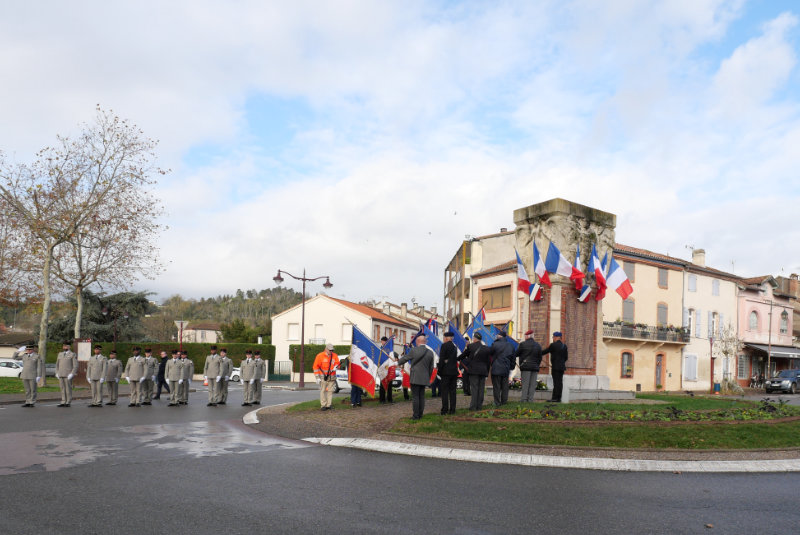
(553, 461)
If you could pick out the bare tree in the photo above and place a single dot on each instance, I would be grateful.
(15, 266)
(68, 187)
(728, 346)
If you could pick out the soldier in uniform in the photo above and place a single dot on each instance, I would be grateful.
(134, 373)
(260, 373)
(150, 374)
(66, 369)
(32, 372)
(212, 373)
(173, 372)
(187, 375)
(113, 375)
(96, 375)
(225, 367)
(247, 369)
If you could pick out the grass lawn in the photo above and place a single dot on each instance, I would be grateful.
(12, 385)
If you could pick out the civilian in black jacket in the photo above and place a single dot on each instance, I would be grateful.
(503, 361)
(161, 380)
(529, 354)
(476, 358)
(558, 364)
(448, 371)
(463, 367)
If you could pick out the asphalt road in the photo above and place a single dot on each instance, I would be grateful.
(198, 470)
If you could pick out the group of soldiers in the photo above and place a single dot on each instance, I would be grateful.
(143, 374)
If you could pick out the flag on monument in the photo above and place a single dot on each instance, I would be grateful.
(558, 263)
(539, 268)
(618, 280)
(536, 292)
(585, 292)
(597, 269)
(577, 275)
(364, 358)
(523, 282)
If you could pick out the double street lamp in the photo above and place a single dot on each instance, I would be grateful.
(327, 285)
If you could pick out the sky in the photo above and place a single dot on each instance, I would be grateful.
(363, 140)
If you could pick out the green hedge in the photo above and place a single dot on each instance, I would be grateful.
(197, 352)
(312, 350)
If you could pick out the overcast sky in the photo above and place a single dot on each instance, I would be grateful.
(364, 139)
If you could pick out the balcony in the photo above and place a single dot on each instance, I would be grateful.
(643, 332)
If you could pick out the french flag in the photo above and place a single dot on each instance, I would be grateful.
(536, 292)
(539, 268)
(558, 263)
(577, 275)
(364, 358)
(596, 268)
(584, 294)
(618, 280)
(386, 369)
(523, 282)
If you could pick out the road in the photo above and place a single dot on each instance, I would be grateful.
(198, 470)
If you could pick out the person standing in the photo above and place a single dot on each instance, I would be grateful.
(385, 390)
(32, 373)
(66, 369)
(225, 367)
(260, 373)
(187, 374)
(212, 373)
(558, 364)
(96, 375)
(162, 377)
(421, 360)
(529, 356)
(463, 367)
(476, 359)
(112, 377)
(247, 370)
(173, 372)
(502, 362)
(325, 365)
(135, 374)
(150, 376)
(448, 371)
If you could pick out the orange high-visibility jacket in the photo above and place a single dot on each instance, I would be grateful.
(325, 366)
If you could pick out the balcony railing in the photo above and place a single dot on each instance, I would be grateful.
(644, 332)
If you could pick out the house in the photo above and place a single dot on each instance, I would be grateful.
(10, 342)
(206, 332)
(331, 320)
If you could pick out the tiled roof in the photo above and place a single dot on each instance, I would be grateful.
(496, 234)
(755, 281)
(15, 339)
(506, 266)
(618, 247)
(208, 326)
(372, 313)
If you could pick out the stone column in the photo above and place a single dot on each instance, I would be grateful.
(567, 225)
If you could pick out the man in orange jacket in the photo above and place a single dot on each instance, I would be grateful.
(325, 366)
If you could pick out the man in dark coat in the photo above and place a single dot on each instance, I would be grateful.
(476, 359)
(421, 359)
(529, 356)
(463, 368)
(558, 364)
(162, 382)
(503, 361)
(448, 371)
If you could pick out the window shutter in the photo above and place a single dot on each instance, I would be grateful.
(698, 323)
(685, 317)
(721, 323)
(710, 324)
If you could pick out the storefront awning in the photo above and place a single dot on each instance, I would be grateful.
(777, 351)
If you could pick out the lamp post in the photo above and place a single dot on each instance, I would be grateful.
(327, 285)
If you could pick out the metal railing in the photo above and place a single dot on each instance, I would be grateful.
(649, 332)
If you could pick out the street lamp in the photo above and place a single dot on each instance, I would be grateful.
(327, 285)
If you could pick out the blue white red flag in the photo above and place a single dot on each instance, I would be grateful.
(577, 274)
(539, 268)
(558, 263)
(523, 282)
(433, 325)
(386, 368)
(536, 292)
(434, 344)
(364, 358)
(458, 339)
(599, 277)
(584, 294)
(618, 280)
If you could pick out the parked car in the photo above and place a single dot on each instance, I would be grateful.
(341, 375)
(10, 368)
(785, 381)
(49, 369)
(236, 374)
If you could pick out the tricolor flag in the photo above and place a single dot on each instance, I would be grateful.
(577, 275)
(618, 280)
(558, 263)
(434, 344)
(596, 268)
(364, 358)
(433, 325)
(585, 292)
(458, 339)
(386, 369)
(604, 263)
(523, 282)
(536, 292)
(539, 268)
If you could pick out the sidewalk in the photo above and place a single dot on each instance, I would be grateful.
(78, 393)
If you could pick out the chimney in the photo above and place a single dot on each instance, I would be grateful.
(433, 310)
(794, 285)
(699, 257)
(404, 310)
(503, 229)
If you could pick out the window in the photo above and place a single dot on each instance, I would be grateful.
(319, 331)
(626, 367)
(690, 368)
(627, 310)
(690, 321)
(784, 322)
(715, 287)
(293, 331)
(714, 328)
(627, 267)
(661, 315)
(402, 337)
(753, 321)
(388, 332)
(692, 283)
(662, 278)
(495, 298)
(741, 368)
(376, 333)
(347, 332)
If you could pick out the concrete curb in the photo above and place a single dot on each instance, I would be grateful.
(553, 461)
